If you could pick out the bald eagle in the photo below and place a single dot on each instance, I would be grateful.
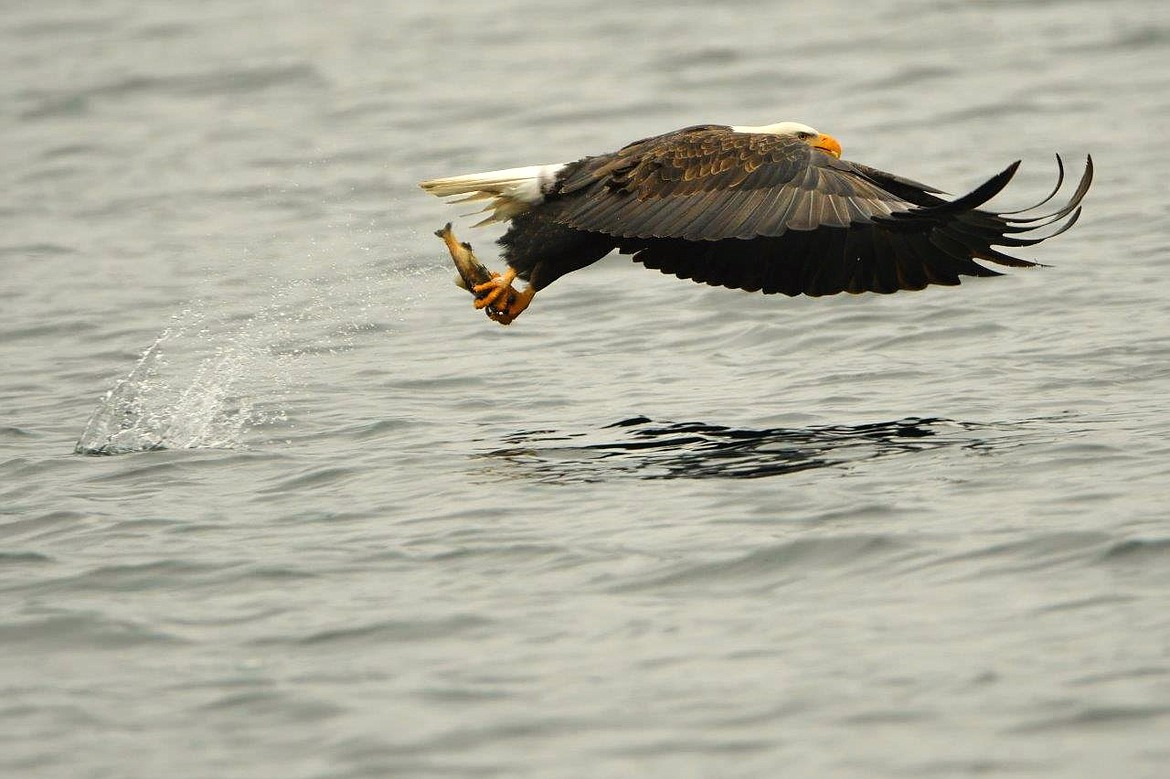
(769, 208)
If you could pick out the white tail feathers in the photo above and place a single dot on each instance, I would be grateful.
(511, 192)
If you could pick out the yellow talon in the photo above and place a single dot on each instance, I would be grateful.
(496, 293)
(502, 301)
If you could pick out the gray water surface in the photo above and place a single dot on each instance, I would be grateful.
(335, 523)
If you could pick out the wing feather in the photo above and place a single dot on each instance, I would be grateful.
(765, 212)
(709, 184)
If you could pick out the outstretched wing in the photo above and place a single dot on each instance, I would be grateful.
(767, 212)
(709, 183)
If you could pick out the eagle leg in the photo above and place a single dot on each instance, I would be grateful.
(503, 301)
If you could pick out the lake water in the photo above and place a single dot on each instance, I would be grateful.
(348, 527)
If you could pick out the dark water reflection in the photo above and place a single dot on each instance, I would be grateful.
(647, 449)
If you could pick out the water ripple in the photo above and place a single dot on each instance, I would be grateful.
(239, 81)
(768, 567)
(697, 450)
(79, 631)
(393, 631)
(1093, 718)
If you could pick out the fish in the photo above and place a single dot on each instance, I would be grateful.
(472, 272)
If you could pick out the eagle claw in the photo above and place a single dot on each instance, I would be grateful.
(498, 289)
(502, 301)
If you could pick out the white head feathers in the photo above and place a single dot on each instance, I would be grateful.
(780, 128)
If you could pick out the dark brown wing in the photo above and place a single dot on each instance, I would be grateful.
(769, 213)
(710, 183)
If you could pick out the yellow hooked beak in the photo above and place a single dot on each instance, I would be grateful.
(828, 144)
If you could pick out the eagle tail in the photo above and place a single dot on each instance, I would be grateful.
(509, 192)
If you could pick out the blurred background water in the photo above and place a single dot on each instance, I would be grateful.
(351, 528)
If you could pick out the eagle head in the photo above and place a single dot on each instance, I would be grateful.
(810, 135)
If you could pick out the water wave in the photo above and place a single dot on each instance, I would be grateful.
(647, 449)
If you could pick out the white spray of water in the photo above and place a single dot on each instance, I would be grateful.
(209, 379)
(180, 397)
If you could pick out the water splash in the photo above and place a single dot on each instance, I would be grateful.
(215, 375)
(179, 397)
(117, 424)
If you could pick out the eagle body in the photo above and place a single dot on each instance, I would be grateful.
(772, 208)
